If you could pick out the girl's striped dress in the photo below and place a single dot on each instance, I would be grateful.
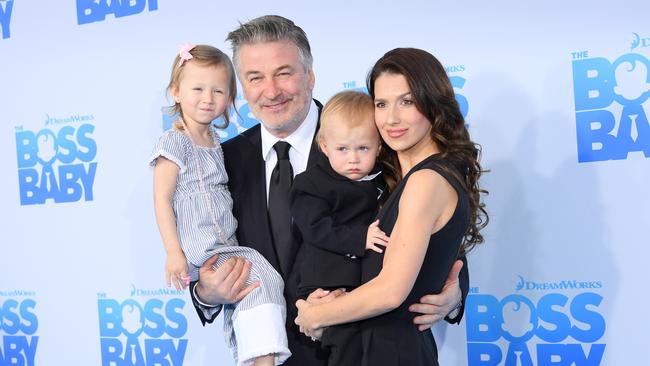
(255, 326)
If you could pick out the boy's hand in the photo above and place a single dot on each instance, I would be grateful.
(376, 236)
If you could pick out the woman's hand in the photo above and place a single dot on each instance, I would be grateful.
(306, 311)
(317, 297)
(320, 296)
(317, 335)
(305, 320)
(176, 270)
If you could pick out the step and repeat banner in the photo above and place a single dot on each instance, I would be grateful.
(557, 95)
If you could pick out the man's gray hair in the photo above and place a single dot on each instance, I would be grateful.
(270, 28)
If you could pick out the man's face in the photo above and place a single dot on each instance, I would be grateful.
(276, 85)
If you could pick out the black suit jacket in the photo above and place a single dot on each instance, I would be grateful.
(333, 214)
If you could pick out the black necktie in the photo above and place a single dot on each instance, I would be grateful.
(279, 214)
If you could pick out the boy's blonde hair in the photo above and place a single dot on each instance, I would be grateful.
(352, 106)
(204, 55)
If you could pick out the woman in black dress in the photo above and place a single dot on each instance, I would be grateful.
(433, 214)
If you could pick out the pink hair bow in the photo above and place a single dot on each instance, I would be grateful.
(184, 53)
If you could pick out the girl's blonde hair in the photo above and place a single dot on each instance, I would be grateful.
(204, 55)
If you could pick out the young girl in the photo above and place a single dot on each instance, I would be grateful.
(193, 205)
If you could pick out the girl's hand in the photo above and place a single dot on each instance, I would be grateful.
(376, 236)
(176, 271)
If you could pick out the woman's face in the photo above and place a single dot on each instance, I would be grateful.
(400, 123)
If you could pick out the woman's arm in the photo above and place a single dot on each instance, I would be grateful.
(427, 203)
(165, 175)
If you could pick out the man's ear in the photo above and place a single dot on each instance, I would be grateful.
(311, 79)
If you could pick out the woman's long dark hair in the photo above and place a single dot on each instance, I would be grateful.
(434, 97)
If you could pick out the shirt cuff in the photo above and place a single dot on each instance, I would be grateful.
(453, 313)
(198, 299)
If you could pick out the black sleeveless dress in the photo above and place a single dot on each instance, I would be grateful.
(392, 339)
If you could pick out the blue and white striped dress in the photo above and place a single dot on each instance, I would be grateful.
(257, 323)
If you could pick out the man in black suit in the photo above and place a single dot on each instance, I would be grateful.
(273, 60)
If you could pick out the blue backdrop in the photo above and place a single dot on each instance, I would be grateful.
(557, 94)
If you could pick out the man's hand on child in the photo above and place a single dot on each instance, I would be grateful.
(433, 308)
(225, 284)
